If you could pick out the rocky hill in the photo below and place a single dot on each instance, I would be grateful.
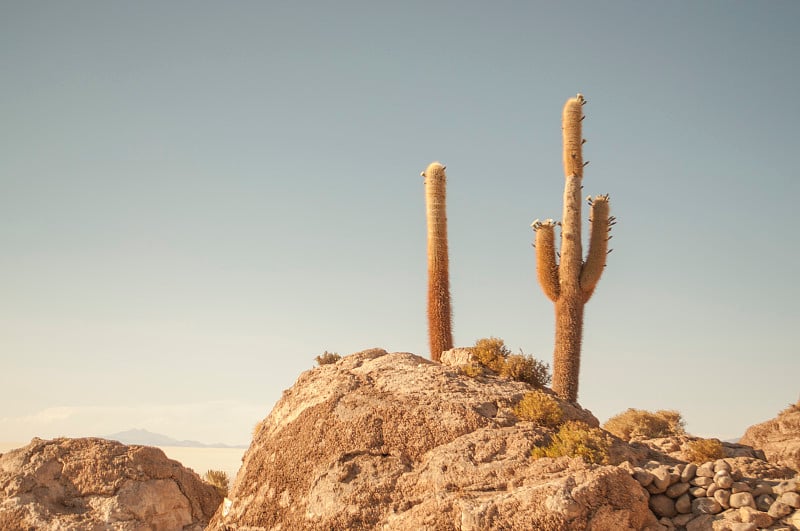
(396, 442)
(94, 484)
(778, 438)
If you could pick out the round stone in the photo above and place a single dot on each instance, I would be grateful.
(740, 486)
(706, 506)
(723, 498)
(702, 481)
(764, 502)
(706, 470)
(642, 476)
(688, 472)
(742, 499)
(779, 510)
(723, 479)
(721, 464)
(698, 492)
(678, 489)
(684, 504)
(792, 499)
(663, 505)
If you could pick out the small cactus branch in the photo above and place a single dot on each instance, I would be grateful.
(546, 267)
(439, 313)
(598, 247)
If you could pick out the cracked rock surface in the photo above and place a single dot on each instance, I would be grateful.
(94, 484)
(394, 441)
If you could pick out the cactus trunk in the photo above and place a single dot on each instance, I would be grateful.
(571, 282)
(439, 313)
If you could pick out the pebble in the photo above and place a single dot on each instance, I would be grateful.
(663, 505)
(740, 486)
(702, 481)
(684, 504)
(723, 479)
(723, 498)
(677, 490)
(764, 502)
(721, 464)
(705, 470)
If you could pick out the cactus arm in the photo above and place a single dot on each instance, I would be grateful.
(439, 312)
(546, 267)
(598, 247)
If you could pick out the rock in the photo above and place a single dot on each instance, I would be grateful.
(778, 438)
(688, 472)
(740, 526)
(720, 465)
(644, 477)
(703, 522)
(678, 489)
(723, 498)
(698, 492)
(779, 510)
(742, 499)
(740, 486)
(761, 487)
(456, 357)
(706, 506)
(706, 470)
(711, 490)
(702, 481)
(793, 519)
(786, 486)
(792, 499)
(684, 504)
(764, 502)
(723, 479)
(661, 479)
(91, 483)
(759, 518)
(682, 519)
(395, 442)
(663, 505)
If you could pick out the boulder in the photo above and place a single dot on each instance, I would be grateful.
(778, 438)
(91, 483)
(394, 441)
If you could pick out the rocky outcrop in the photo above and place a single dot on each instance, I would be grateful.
(779, 438)
(394, 441)
(97, 484)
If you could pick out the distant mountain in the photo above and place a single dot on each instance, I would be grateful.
(148, 438)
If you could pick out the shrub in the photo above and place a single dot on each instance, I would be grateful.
(635, 423)
(219, 480)
(327, 358)
(473, 370)
(526, 369)
(491, 352)
(577, 439)
(539, 407)
(703, 450)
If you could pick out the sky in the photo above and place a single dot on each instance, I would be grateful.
(197, 198)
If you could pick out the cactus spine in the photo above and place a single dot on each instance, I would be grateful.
(570, 282)
(440, 333)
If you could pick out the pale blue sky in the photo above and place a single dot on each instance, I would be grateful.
(197, 198)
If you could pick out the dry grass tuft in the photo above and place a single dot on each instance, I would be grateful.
(704, 450)
(577, 439)
(541, 408)
(327, 358)
(638, 423)
(219, 480)
(493, 354)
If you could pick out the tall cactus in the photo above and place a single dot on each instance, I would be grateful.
(570, 282)
(440, 332)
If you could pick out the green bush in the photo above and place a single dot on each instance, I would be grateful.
(704, 450)
(219, 480)
(327, 358)
(539, 407)
(576, 439)
(638, 423)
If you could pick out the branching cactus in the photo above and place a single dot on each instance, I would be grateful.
(439, 316)
(568, 280)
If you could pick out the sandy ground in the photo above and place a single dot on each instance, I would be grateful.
(198, 459)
